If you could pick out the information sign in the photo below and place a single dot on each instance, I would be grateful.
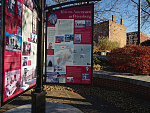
(20, 48)
(69, 45)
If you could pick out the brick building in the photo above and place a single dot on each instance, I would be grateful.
(111, 30)
(132, 38)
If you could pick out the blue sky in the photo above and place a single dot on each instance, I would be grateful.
(123, 9)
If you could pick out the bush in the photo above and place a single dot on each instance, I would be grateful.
(97, 67)
(132, 59)
(107, 45)
(96, 60)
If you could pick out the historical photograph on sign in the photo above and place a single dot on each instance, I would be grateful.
(12, 82)
(77, 38)
(19, 9)
(70, 79)
(59, 39)
(50, 45)
(13, 42)
(11, 6)
(68, 37)
(26, 48)
(24, 61)
(50, 63)
(82, 55)
(26, 23)
(33, 55)
(28, 77)
(85, 76)
(79, 23)
(33, 38)
(56, 77)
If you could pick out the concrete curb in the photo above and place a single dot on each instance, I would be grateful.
(124, 77)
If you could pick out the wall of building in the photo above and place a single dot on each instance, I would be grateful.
(101, 31)
(117, 32)
(132, 38)
(143, 37)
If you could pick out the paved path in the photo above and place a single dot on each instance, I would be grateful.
(50, 108)
(64, 98)
(86, 98)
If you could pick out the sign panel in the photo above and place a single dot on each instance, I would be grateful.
(69, 45)
(20, 48)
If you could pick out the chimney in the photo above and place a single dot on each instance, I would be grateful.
(113, 18)
(121, 22)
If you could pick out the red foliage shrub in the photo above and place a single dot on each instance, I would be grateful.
(132, 59)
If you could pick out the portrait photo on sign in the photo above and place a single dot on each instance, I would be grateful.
(19, 9)
(11, 6)
(85, 76)
(33, 38)
(77, 38)
(13, 42)
(52, 19)
(24, 61)
(88, 22)
(50, 45)
(26, 48)
(29, 4)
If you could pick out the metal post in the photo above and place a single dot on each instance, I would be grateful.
(38, 96)
(2, 35)
(139, 21)
(40, 52)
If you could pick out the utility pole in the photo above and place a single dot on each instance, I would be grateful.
(139, 21)
(38, 95)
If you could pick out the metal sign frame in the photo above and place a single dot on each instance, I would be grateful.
(1, 49)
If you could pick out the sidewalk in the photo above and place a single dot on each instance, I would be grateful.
(60, 98)
(50, 108)
(88, 99)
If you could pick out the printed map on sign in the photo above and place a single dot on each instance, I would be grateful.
(82, 55)
(63, 57)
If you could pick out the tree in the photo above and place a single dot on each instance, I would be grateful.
(126, 9)
(105, 45)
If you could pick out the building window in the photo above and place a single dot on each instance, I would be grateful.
(99, 29)
(130, 37)
(99, 38)
(104, 33)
